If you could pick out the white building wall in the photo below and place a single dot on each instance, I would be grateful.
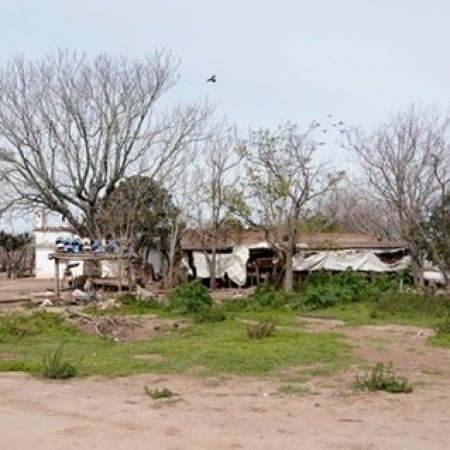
(45, 245)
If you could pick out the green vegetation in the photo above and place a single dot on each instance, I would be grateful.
(156, 393)
(228, 337)
(53, 366)
(206, 348)
(261, 329)
(191, 298)
(15, 327)
(383, 378)
(294, 389)
(322, 289)
(350, 297)
(266, 297)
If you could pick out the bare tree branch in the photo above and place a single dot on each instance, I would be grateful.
(71, 127)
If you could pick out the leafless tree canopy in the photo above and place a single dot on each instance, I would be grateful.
(354, 208)
(215, 176)
(71, 127)
(402, 161)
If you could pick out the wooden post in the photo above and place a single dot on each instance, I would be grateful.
(56, 277)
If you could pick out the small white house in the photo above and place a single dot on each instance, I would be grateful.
(44, 241)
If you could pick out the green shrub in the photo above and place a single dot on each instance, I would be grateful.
(156, 393)
(266, 296)
(261, 329)
(317, 297)
(191, 298)
(322, 289)
(54, 367)
(383, 379)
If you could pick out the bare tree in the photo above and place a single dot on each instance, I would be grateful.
(284, 181)
(71, 127)
(215, 174)
(401, 159)
(353, 209)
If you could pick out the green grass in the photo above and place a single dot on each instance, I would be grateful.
(355, 314)
(206, 349)
(294, 389)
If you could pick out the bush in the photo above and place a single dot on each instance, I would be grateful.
(266, 296)
(383, 379)
(191, 298)
(261, 329)
(322, 289)
(55, 368)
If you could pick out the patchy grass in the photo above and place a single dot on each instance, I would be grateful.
(440, 340)
(355, 314)
(206, 349)
(294, 389)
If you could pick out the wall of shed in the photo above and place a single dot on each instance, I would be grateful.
(45, 245)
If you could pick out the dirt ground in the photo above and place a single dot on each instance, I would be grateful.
(236, 413)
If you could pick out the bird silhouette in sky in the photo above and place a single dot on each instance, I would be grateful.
(212, 79)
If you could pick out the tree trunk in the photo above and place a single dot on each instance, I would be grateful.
(288, 273)
(417, 270)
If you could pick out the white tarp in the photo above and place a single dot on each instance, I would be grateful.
(233, 264)
(338, 261)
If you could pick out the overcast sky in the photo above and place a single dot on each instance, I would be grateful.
(360, 60)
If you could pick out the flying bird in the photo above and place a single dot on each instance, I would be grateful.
(212, 79)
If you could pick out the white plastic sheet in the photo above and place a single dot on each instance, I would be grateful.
(339, 261)
(233, 264)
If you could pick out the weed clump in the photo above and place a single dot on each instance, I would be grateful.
(261, 329)
(383, 378)
(156, 393)
(56, 368)
(210, 315)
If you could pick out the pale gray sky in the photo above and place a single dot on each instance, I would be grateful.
(360, 60)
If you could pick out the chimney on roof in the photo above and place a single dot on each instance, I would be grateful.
(40, 218)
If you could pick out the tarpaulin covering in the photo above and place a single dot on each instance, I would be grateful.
(234, 264)
(338, 261)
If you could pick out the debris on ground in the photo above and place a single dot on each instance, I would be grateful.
(122, 328)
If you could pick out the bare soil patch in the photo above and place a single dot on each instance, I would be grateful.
(124, 328)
